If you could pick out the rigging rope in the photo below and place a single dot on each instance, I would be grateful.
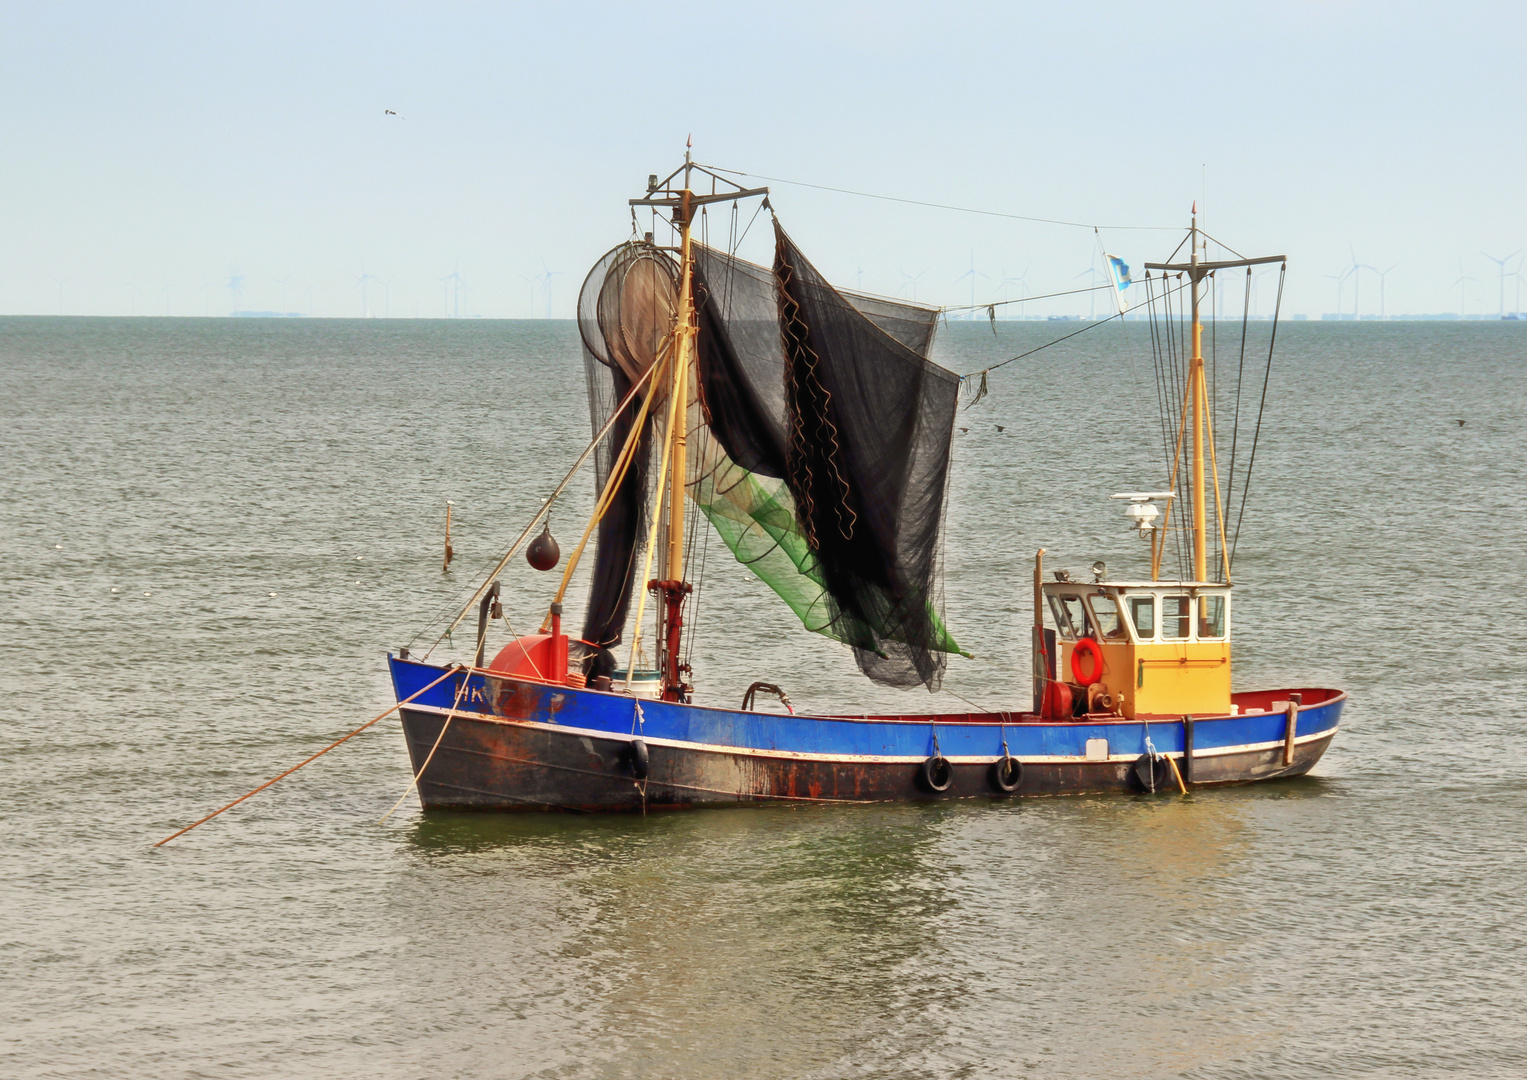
(944, 206)
(1046, 345)
(1266, 377)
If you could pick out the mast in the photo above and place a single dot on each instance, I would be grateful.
(683, 339)
(1197, 399)
(682, 202)
(1196, 389)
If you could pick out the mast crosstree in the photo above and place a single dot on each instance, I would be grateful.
(1197, 398)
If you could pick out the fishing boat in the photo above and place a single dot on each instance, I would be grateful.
(808, 427)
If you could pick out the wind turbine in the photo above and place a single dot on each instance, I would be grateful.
(1517, 307)
(546, 276)
(236, 290)
(1502, 264)
(532, 309)
(1018, 281)
(1256, 292)
(1091, 274)
(453, 290)
(1462, 283)
(972, 274)
(1383, 277)
(364, 281)
(282, 282)
(910, 282)
(1356, 270)
(60, 282)
(1341, 286)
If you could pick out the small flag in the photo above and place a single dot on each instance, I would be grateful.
(1118, 274)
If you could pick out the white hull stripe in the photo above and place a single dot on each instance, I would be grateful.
(912, 759)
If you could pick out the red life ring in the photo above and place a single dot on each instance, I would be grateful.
(1090, 647)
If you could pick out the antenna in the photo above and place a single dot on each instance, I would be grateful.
(1502, 264)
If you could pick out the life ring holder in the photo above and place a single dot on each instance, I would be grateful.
(1095, 651)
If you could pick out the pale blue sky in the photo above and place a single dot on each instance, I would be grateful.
(153, 151)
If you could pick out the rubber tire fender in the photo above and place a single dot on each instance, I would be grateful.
(1092, 649)
(936, 774)
(1144, 766)
(1006, 774)
(638, 758)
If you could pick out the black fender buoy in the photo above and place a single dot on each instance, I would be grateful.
(1152, 773)
(937, 774)
(640, 761)
(1006, 774)
(543, 551)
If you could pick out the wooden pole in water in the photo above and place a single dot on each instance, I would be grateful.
(449, 554)
(303, 762)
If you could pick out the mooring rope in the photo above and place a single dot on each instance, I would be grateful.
(300, 764)
(431, 755)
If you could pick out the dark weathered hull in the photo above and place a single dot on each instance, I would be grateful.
(502, 765)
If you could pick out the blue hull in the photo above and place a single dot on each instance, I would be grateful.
(514, 744)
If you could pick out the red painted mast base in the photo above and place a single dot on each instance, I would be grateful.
(674, 593)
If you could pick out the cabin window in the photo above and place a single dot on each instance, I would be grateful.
(1211, 616)
(1070, 616)
(1142, 612)
(1105, 613)
(1176, 617)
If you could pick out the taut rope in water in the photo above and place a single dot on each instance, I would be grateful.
(300, 764)
(431, 755)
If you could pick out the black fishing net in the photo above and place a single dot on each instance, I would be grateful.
(833, 394)
(821, 458)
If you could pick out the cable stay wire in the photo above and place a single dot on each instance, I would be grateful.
(1040, 348)
(944, 206)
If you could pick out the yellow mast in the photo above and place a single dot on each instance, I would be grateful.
(683, 339)
(1196, 391)
(1196, 405)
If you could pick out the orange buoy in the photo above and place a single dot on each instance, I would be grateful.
(1089, 647)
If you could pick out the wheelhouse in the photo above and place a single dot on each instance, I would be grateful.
(1139, 648)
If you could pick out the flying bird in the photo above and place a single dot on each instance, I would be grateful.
(1460, 423)
(999, 427)
(390, 112)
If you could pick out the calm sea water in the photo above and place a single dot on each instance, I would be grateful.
(212, 530)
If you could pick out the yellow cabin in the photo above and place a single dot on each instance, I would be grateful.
(1164, 646)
